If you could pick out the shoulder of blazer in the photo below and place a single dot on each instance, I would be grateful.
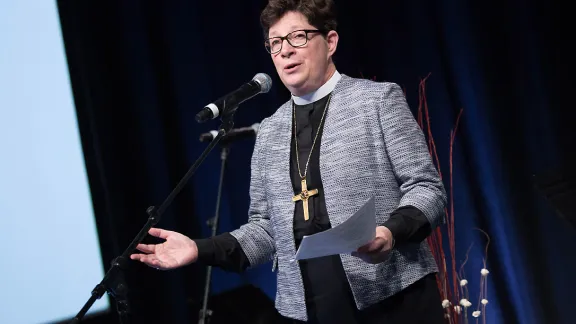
(270, 123)
(367, 96)
(365, 87)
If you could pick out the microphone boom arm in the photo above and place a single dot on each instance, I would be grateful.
(113, 281)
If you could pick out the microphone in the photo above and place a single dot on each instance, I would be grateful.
(233, 134)
(261, 83)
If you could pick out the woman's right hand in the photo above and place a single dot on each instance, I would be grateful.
(178, 250)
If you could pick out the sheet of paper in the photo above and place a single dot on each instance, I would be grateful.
(347, 237)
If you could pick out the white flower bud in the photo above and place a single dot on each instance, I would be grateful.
(445, 303)
(464, 302)
(458, 309)
(476, 313)
(484, 301)
(463, 282)
(484, 272)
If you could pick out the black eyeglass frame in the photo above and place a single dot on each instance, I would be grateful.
(282, 38)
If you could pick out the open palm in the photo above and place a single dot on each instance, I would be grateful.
(178, 250)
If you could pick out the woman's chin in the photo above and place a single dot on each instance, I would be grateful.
(296, 86)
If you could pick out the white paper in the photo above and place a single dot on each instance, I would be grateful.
(345, 238)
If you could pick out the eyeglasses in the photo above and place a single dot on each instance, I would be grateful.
(297, 38)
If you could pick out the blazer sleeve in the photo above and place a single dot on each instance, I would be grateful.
(419, 180)
(256, 236)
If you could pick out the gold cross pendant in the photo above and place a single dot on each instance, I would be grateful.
(304, 195)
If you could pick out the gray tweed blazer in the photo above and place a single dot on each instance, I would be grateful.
(371, 146)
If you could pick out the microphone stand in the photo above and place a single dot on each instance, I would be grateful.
(113, 281)
(205, 313)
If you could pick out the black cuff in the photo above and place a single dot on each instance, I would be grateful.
(408, 225)
(206, 250)
(396, 224)
(222, 251)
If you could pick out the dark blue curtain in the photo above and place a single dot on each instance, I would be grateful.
(141, 71)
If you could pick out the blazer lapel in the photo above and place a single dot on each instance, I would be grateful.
(331, 139)
(281, 184)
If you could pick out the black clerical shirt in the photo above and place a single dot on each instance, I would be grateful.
(325, 283)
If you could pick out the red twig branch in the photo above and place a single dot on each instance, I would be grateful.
(435, 240)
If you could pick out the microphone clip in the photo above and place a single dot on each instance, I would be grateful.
(227, 120)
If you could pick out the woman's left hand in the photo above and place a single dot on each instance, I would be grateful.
(377, 250)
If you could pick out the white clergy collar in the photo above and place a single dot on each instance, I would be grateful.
(320, 93)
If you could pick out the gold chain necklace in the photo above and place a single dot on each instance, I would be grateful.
(306, 194)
